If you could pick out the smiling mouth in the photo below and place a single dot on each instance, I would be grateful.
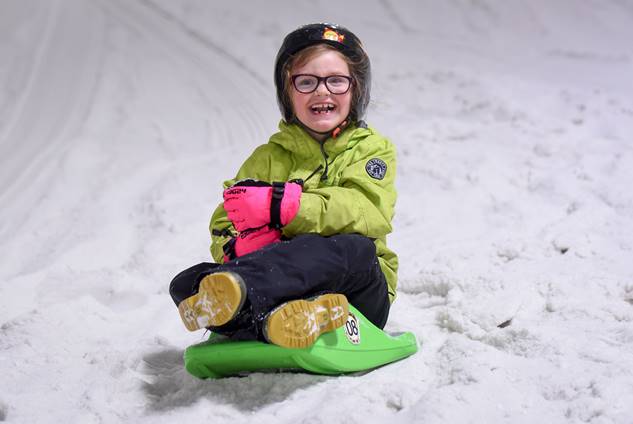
(322, 108)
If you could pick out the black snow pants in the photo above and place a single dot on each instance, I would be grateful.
(306, 266)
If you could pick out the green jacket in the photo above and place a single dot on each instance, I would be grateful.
(349, 200)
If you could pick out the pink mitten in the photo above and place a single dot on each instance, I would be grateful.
(252, 203)
(247, 204)
(290, 201)
(249, 241)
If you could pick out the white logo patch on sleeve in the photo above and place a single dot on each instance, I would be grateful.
(376, 168)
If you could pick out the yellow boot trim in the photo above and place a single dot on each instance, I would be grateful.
(219, 298)
(298, 323)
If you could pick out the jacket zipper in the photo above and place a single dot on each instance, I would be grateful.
(320, 167)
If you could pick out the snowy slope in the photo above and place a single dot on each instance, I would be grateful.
(514, 125)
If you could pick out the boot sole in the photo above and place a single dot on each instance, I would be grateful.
(219, 299)
(299, 323)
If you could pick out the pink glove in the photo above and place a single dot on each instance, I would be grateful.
(252, 203)
(249, 241)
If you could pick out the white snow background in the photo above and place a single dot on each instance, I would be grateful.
(514, 127)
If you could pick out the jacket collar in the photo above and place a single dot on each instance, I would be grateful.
(295, 139)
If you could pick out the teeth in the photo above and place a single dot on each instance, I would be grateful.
(322, 108)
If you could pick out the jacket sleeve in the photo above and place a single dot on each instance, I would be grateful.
(360, 203)
(257, 166)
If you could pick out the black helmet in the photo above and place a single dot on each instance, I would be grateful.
(344, 41)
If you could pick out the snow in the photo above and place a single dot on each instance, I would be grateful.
(514, 127)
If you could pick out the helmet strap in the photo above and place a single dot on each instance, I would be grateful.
(332, 133)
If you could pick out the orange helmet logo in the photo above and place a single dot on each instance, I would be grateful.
(330, 34)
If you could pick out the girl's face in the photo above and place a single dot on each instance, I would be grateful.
(321, 110)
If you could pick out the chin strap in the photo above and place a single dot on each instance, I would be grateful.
(340, 127)
(332, 133)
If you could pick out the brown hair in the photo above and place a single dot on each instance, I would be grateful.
(357, 71)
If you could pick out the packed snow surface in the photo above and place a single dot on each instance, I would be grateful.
(514, 127)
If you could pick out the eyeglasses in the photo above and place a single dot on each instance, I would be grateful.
(336, 84)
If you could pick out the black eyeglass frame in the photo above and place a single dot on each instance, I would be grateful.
(324, 80)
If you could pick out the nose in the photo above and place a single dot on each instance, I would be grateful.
(321, 89)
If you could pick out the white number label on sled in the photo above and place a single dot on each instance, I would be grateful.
(352, 329)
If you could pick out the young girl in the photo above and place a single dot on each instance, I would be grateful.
(302, 229)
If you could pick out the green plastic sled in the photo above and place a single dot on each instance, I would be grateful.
(357, 346)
